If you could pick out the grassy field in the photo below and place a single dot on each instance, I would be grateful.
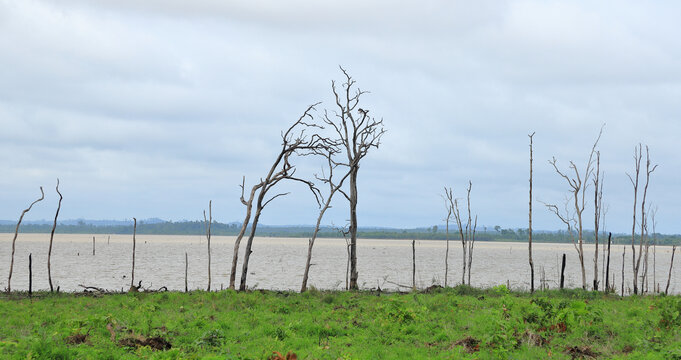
(443, 323)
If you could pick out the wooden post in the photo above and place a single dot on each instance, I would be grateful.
(30, 275)
(607, 266)
(93, 246)
(186, 270)
(413, 261)
(562, 273)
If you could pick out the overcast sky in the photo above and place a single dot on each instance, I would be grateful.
(152, 108)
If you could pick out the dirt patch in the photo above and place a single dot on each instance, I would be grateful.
(469, 343)
(581, 352)
(533, 339)
(76, 339)
(155, 342)
(627, 349)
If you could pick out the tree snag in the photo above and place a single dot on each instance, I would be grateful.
(207, 223)
(607, 266)
(132, 276)
(14, 240)
(529, 231)
(671, 265)
(358, 133)
(294, 140)
(598, 205)
(49, 250)
(449, 205)
(578, 186)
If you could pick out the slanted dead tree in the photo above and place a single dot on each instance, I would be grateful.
(598, 206)
(49, 250)
(449, 206)
(329, 150)
(529, 230)
(671, 265)
(578, 184)
(294, 140)
(14, 240)
(358, 134)
(207, 223)
(636, 259)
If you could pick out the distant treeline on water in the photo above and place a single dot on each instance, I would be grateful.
(432, 233)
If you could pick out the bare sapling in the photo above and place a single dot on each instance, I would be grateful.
(529, 231)
(207, 223)
(636, 259)
(329, 150)
(449, 206)
(358, 133)
(578, 184)
(294, 141)
(49, 250)
(14, 240)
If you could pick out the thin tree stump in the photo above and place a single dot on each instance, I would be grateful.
(413, 261)
(93, 246)
(671, 264)
(607, 266)
(30, 275)
(562, 274)
(186, 271)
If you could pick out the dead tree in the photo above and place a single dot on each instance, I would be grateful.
(358, 133)
(578, 184)
(529, 231)
(49, 250)
(636, 260)
(671, 265)
(607, 266)
(294, 140)
(598, 205)
(132, 275)
(329, 150)
(186, 271)
(207, 223)
(449, 205)
(624, 252)
(14, 240)
(237, 243)
(470, 230)
(466, 234)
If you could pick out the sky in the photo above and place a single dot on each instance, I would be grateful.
(151, 109)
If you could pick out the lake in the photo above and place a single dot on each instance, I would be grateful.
(278, 263)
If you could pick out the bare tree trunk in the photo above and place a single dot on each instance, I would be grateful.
(30, 274)
(186, 272)
(413, 265)
(449, 205)
(447, 252)
(93, 246)
(623, 253)
(354, 274)
(637, 168)
(607, 266)
(14, 240)
(529, 231)
(134, 242)
(208, 222)
(598, 200)
(671, 265)
(562, 273)
(244, 226)
(49, 250)
(249, 244)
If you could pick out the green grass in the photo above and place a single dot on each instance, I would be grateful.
(445, 323)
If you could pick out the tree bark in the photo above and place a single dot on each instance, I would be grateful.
(14, 240)
(49, 250)
(354, 273)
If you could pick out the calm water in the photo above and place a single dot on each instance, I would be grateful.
(278, 263)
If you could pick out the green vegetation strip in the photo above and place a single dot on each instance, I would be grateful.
(453, 323)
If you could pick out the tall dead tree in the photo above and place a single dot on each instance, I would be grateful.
(49, 250)
(207, 223)
(294, 140)
(607, 266)
(578, 184)
(529, 231)
(598, 205)
(449, 205)
(14, 240)
(329, 150)
(358, 133)
(470, 230)
(636, 259)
